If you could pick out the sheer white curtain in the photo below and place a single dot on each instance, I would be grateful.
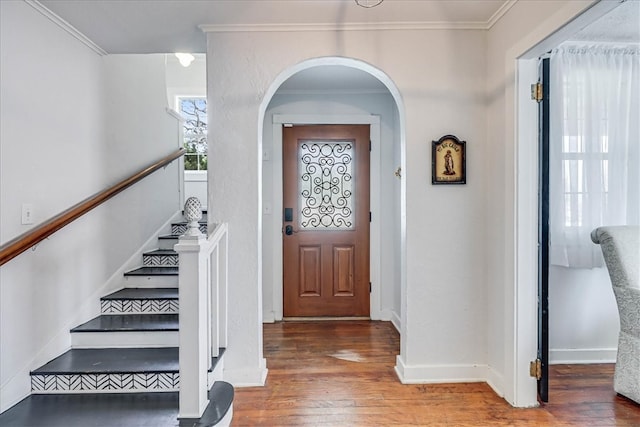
(594, 159)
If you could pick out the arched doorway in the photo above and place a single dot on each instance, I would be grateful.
(335, 90)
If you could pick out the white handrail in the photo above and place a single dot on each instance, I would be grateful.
(203, 282)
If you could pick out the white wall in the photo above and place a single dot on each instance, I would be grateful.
(352, 104)
(139, 131)
(583, 316)
(66, 133)
(444, 336)
(195, 185)
(188, 81)
(185, 81)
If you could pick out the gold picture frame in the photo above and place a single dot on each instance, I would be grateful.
(448, 161)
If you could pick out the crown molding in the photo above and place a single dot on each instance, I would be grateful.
(368, 26)
(500, 13)
(65, 26)
(379, 26)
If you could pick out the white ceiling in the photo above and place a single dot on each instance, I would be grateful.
(164, 26)
(621, 25)
(161, 26)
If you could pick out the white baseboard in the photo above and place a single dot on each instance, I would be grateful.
(268, 317)
(435, 374)
(249, 377)
(14, 390)
(495, 381)
(396, 321)
(576, 356)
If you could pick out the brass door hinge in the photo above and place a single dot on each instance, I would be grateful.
(536, 92)
(535, 369)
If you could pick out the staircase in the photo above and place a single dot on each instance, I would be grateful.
(132, 346)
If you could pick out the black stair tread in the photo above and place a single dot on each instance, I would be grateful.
(114, 409)
(153, 271)
(112, 361)
(220, 400)
(103, 409)
(143, 294)
(130, 323)
(204, 213)
(161, 252)
(169, 237)
(203, 221)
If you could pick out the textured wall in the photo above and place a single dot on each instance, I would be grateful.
(445, 292)
(72, 123)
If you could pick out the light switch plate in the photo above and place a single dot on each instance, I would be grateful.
(27, 213)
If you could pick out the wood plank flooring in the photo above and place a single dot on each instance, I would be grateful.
(341, 373)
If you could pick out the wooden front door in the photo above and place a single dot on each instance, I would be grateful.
(326, 220)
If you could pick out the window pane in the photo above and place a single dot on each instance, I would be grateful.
(325, 185)
(567, 210)
(573, 175)
(194, 110)
(573, 204)
(572, 144)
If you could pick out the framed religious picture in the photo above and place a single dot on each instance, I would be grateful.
(448, 158)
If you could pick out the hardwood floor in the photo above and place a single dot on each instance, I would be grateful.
(337, 373)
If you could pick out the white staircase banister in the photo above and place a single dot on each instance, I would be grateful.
(202, 299)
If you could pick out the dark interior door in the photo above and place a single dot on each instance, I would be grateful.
(543, 234)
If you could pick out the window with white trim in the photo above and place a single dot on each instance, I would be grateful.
(194, 111)
(593, 149)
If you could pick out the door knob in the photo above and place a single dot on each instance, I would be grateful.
(288, 230)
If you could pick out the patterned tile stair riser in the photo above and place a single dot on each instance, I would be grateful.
(106, 383)
(160, 260)
(139, 306)
(180, 229)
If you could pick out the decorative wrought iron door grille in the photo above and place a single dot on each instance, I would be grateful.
(326, 183)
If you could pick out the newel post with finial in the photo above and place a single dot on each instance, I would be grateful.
(193, 214)
(194, 353)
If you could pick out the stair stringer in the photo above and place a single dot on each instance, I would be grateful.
(91, 308)
(115, 282)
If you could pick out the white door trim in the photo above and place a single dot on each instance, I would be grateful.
(375, 200)
(522, 392)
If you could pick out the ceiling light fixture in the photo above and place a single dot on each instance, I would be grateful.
(368, 3)
(185, 58)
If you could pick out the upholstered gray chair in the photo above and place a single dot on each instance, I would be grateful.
(621, 249)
